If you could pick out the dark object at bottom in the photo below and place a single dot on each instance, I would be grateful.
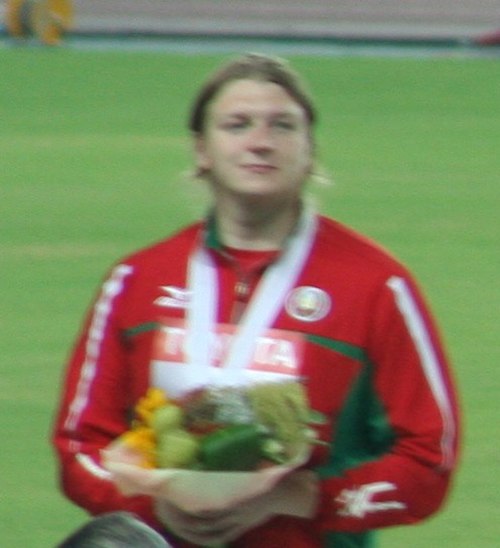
(115, 530)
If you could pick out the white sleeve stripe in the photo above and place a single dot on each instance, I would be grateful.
(93, 467)
(102, 309)
(429, 360)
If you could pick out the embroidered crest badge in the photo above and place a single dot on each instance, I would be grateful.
(308, 304)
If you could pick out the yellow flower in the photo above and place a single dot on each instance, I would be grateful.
(148, 404)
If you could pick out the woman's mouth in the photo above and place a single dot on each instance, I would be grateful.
(259, 168)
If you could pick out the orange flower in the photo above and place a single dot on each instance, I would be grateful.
(142, 440)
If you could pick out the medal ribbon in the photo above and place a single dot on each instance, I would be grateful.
(262, 309)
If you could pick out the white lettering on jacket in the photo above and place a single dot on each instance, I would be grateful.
(276, 350)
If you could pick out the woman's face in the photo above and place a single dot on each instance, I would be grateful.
(256, 143)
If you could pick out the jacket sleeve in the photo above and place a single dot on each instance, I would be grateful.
(95, 405)
(414, 405)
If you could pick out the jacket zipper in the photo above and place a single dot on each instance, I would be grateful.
(241, 298)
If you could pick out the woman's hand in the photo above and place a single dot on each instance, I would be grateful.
(295, 495)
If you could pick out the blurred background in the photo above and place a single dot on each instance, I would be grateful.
(383, 19)
(460, 21)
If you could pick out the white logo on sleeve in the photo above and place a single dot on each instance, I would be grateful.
(359, 502)
(175, 297)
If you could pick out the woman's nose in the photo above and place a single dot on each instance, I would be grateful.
(261, 137)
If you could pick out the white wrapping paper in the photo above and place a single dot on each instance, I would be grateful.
(191, 490)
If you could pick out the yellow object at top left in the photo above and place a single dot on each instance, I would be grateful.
(46, 20)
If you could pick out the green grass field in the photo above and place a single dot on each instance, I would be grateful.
(93, 152)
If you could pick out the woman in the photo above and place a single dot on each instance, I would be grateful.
(334, 308)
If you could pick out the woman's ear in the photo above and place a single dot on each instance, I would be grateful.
(202, 158)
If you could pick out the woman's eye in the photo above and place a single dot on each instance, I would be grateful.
(284, 124)
(235, 125)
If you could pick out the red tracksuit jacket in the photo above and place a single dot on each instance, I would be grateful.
(370, 354)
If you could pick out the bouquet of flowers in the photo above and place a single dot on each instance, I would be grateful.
(215, 445)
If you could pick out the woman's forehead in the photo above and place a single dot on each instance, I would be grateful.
(255, 95)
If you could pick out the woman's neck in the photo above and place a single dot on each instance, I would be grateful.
(258, 228)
